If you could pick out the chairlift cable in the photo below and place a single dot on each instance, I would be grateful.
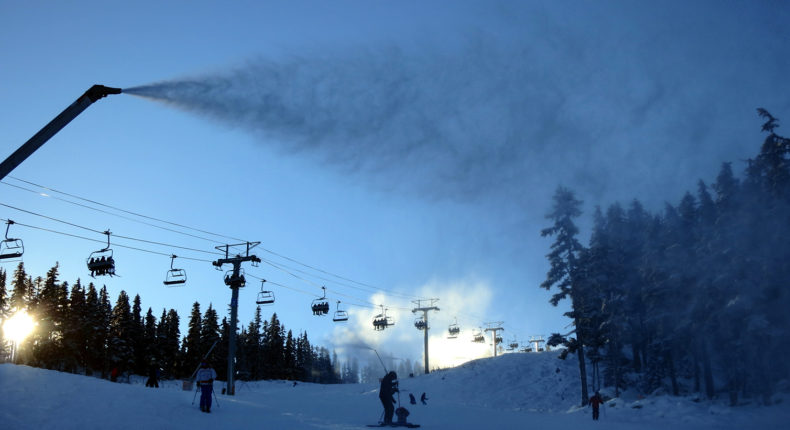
(111, 213)
(102, 242)
(124, 210)
(283, 268)
(114, 235)
(187, 234)
(378, 289)
(335, 292)
(369, 305)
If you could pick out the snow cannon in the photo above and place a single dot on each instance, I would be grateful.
(94, 93)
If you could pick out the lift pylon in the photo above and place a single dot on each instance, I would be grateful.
(234, 281)
(422, 324)
(494, 327)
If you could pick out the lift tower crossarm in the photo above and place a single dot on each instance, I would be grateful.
(95, 92)
(424, 310)
(494, 327)
(236, 281)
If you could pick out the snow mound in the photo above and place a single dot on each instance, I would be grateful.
(537, 382)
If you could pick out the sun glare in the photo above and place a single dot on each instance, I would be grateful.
(18, 327)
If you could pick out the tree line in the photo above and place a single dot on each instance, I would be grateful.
(79, 330)
(692, 299)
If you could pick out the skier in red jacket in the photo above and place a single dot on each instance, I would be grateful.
(596, 401)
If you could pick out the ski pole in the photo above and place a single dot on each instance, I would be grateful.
(193, 397)
(215, 395)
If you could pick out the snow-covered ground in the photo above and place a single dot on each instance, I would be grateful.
(512, 391)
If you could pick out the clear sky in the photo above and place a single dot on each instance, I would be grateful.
(416, 151)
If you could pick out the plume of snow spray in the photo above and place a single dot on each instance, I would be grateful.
(458, 126)
(509, 119)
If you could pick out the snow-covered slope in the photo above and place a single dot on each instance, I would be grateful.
(508, 392)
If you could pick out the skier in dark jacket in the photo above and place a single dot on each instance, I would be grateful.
(596, 401)
(153, 377)
(389, 386)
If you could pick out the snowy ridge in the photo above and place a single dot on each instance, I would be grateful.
(508, 392)
(523, 381)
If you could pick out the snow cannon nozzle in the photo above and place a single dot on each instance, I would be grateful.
(99, 91)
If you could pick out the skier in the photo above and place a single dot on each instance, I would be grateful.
(423, 398)
(153, 377)
(389, 386)
(412, 400)
(596, 401)
(205, 380)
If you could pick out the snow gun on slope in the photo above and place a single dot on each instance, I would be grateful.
(95, 92)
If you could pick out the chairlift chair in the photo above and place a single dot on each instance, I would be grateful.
(478, 337)
(320, 306)
(453, 330)
(420, 323)
(10, 247)
(175, 276)
(382, 321)
(513, 345)
(101, 262)
(237, 280)
(265, 297)
(340, 314)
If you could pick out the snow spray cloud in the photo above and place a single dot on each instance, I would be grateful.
(583, 98)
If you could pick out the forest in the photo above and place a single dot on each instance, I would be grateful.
(692, 299)
(79, 330)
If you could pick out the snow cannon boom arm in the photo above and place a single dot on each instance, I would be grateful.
(95, 92)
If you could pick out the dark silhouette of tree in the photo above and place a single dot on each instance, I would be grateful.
(564, 272)
(120, 347)
(690, 299)
(191, 351)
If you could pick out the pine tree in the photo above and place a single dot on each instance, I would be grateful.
(120, 343)
(191, 347)
(75, 333)
(141, 363)
(169, 336)
(289, 361)
(209, 334)
(48, 335)
(96, 332)
(150, 340)
(274, 348)
(21, 293)
(253, 349)
(4, 311)
(3, 294)
(304, 358)
(221, 350)
(564, 260)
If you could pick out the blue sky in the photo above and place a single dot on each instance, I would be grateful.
(502, 102)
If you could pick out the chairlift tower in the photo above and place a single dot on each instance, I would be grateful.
(494, 327)
(424, 310)
(235, 282)
(536, 340)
